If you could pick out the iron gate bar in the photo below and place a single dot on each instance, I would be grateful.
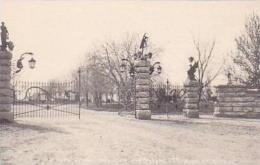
(165, 98)
(44, 108)
(53, 102)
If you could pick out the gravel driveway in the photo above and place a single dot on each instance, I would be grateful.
(106, 138)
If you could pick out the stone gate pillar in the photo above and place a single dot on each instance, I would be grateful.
(143, 111)
(191, 98)
(6, 94)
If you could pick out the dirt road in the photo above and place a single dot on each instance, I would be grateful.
(106, 138)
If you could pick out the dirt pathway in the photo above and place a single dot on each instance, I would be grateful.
(105, 138)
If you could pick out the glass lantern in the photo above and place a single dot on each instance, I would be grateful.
(32, 63)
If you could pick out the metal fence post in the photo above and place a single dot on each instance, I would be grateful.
(79, 91)
(166, 105)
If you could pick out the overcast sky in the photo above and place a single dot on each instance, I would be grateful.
(60, 32)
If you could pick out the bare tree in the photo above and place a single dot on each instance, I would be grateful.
(247, 55)
(94, 84)
(109, 56)
(98, 84)
(104, 76)
(205, 74)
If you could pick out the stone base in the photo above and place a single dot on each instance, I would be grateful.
(191, 113)
(218, 114)
(9, 116)
(143, 114)
(253, 115)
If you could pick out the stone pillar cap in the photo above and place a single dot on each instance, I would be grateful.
(189, 82)
(142, 63)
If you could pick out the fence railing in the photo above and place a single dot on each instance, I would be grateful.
(166, 98)
(45, 99)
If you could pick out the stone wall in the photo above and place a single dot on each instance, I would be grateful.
(6, 93)
(237, 101)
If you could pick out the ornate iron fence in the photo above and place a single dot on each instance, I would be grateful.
(46, 99)
(166, 98)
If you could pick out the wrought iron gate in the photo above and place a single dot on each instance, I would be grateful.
(166, 98)
(50, 99)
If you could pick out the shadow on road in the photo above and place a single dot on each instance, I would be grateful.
(15, 126)
(178, 122)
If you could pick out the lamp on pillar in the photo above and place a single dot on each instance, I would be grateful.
(31, 62)
(127, 64)
(7, 93)
(141, 69)
(156, 68)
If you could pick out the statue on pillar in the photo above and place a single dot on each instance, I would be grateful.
(142, 46)
(144, 42)
(192, 70)
(191, 87)
(229, 76)
(5, 37)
